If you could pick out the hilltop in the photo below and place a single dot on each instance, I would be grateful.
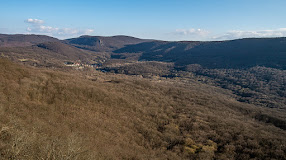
(21, 40)
(103, 44)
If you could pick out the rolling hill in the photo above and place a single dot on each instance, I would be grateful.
(50, 54)
(242, 53)
(21, 40)
(103, 44)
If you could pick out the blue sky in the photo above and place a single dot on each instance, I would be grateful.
(154, 19)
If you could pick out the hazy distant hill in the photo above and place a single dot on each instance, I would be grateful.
(242, 53)
(20, 40)
(97, 43)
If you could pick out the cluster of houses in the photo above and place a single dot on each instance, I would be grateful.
(81, 65)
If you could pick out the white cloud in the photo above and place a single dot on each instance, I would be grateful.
(88, 31)
(236, 34)
(37, 28)
(201, 34)
(192, 31)
(70, 31)
(34, 21)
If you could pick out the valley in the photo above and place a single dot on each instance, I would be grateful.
(122, 97)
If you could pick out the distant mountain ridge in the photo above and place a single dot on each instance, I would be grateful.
(22, 40)
(241, 53)
(98, 43)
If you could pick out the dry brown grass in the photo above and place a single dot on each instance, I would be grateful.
(49, 114)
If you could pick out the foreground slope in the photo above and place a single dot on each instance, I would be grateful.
(48, 114)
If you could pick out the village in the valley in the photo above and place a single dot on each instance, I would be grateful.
(81, 65)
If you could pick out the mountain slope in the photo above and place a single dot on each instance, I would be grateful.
(253, 69)
(242, 53)
(49, 54)
(97, 43)
(70, 52)
(51, 114)
(21, 40)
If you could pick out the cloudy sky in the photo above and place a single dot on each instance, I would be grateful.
(153, 19)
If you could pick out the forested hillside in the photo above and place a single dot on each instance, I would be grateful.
(48, 114)
(238, 54)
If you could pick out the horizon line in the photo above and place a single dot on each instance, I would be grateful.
(144, 38)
